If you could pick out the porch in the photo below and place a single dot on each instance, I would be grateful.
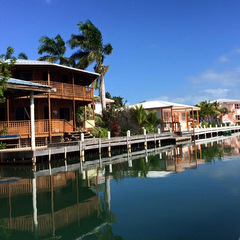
(23, 128)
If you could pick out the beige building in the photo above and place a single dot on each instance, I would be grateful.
(180, 117)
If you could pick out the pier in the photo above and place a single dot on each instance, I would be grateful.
(108, 145)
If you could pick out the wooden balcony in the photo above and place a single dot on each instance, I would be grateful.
(69, 91)
(23, 128)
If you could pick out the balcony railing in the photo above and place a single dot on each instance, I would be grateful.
(23, 128)
(67, 90)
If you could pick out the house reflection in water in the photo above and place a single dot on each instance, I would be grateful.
(75, 204)
(45, 206)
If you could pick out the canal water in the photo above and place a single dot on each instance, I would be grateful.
(185, 192)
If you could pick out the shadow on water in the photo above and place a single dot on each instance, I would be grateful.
(67, 201)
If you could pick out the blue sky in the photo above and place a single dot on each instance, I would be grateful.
(176, 50)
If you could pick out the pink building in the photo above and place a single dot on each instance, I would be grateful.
(233, 107)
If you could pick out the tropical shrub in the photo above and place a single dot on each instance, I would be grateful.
(115, 130)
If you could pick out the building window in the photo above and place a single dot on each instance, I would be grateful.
(64, 114)
(22, 113)
(183, 117)
(2, 114)
(237, 106)
(237, 117)
(24, 75)
(45, 76)
(65, 78)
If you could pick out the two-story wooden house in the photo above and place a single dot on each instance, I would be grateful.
(55, 112)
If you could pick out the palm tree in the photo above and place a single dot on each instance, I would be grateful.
(9, 53)
(91, 50)
(22, 55)
(140, 115)
(55, 48)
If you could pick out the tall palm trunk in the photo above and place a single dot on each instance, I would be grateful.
(102, 92)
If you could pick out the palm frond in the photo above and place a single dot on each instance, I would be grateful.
(107, 49)
(22, 55)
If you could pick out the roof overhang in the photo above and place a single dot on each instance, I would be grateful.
(87, 76)
(18, 88)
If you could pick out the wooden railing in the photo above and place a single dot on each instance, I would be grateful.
(23, 128)
(67, 90)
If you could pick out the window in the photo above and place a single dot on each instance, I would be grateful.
(65, 78)
(64, 114)
(183, 117)
(24, 75)
(45, 76)
(237, 117)
(237, 106)
(2, 114)
(22, 113)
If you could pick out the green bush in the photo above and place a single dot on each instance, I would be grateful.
(104, 132)
(204, 124)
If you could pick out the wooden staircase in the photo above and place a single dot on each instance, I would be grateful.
(76, 136)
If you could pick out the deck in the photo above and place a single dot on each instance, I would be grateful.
(68, 91)
(23, 128)
(100, 144)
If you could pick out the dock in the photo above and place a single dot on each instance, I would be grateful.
(100, 145)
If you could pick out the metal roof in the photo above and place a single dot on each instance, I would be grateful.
(164, 104)
(46, 63)
(26, 83)
(225, 100)
(18, 88)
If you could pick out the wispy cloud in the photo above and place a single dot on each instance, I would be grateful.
(219, 91)
(223, 59)
(225, 78)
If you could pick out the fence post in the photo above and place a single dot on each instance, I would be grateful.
(109, 144)
(145, 142)
(159, 141)
(128, 141)
(65, 157)
(81, 144)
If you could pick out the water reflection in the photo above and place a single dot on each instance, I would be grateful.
(61, 204)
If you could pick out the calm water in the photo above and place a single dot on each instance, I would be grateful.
(184, 193)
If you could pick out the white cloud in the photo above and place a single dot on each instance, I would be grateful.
(226, 78)
(223, 58)
(219, 91)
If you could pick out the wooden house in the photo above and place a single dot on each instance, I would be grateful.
(55, 112)
(175, 116)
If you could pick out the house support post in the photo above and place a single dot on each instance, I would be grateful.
(197, 119)
(49, 111)
(8, 112)
(33, 143)
(74, 105)
(74, 115)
